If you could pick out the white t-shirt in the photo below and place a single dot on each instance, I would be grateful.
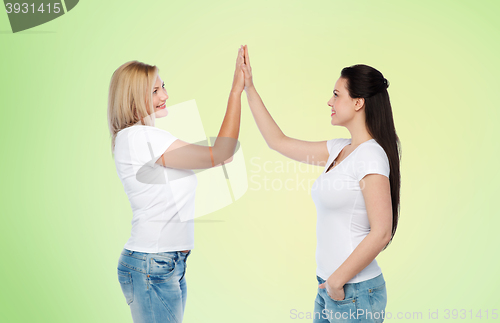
(162, 198)
(342, 221)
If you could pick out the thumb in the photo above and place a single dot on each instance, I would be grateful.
(322, 286)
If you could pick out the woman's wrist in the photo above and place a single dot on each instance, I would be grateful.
(333, 282)
(250, 88)
(235, 92)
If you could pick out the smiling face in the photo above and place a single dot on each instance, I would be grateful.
(160, 97)
(344, 108)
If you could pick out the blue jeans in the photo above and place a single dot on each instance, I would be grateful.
(154, 285)
(363, 302)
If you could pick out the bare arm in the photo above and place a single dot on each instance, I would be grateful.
(377, 195)
(181, 154)
(310, 152)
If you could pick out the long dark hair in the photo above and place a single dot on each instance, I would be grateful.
(363, 81)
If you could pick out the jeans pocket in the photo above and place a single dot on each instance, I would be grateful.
(378, 302)
(162, 269)
(340, 311)
(346, 300)
(125, 279)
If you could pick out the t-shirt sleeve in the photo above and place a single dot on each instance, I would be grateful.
(371, 159)
(149, 143)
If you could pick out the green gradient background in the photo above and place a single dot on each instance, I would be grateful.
(66, 217)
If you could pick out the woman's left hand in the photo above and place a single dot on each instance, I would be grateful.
(239, 75)
(336, 294)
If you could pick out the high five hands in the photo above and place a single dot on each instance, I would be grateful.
(239, 76)
(242, 79)
(247, 69)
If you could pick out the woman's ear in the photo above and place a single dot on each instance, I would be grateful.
(360, 102)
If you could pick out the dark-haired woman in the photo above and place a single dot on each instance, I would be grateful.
(356, 196)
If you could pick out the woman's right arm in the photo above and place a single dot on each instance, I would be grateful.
(309, 152)
(183, 155)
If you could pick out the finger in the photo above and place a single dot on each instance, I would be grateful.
(244, 55)
(322, 286)
(247, 58)
(240, 54)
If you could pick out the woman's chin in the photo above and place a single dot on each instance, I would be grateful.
(335, 122)
(161, 113)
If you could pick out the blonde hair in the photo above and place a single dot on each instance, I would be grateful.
(130, 99)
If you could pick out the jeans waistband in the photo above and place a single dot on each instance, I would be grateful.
(144, 255)
(370, 283)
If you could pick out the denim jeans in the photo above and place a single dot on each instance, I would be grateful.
(363, 302)
(154, 285)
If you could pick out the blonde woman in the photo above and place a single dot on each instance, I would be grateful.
(356, 196)
(155, 169)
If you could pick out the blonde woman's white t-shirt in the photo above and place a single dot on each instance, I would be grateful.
(342, 221)
(162, 198)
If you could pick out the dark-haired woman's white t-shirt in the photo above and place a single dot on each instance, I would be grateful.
(342, 221)
(162, 198)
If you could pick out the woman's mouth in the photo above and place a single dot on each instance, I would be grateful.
(163, 106)
(333, 112)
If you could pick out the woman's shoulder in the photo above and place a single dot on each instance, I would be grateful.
(140, 135)
(370, 150)
(370, 158)
(142, 129)
(128, 130)
(372, 145)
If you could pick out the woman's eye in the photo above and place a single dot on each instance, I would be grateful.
(163, 86)
(335, 94)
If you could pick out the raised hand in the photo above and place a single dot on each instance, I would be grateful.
(239, 76)
(247, 69)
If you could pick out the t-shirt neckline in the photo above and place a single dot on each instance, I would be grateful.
(352, 152)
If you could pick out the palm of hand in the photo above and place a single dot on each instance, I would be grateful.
(239, 76)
